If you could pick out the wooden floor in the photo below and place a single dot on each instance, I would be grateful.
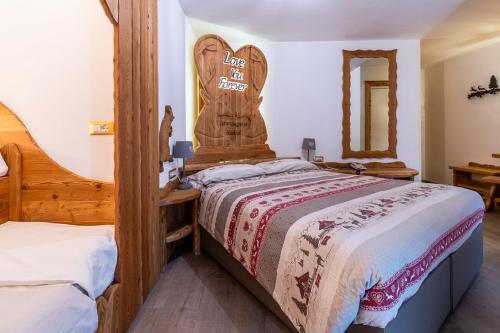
(196, 295)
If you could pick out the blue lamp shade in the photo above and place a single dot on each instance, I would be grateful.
(309, 144)
(183, 149)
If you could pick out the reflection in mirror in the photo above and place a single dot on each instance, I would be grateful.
(369, 104)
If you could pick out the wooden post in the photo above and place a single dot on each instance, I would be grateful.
(136, 154)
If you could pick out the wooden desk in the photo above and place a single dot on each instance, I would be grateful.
(178, 197)
(496, 155)
(395, 170)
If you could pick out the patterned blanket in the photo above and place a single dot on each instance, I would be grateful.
(334, 249)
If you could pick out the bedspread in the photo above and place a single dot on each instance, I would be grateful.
(333, 249)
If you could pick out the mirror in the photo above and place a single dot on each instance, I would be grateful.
(369, 104)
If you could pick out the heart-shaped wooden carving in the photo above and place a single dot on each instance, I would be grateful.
(232, 83)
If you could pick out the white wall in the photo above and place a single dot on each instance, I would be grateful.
(303, 97)
(357, 114)
(56, 74)
(303, 93)
(434, 161)
(172, 69)
(471, 128)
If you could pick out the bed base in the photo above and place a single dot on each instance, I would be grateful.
(424, 312)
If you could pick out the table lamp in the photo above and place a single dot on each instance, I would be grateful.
(309, 144)
(183, 149)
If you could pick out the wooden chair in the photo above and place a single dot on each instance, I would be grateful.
(481, 178)
(493, 196)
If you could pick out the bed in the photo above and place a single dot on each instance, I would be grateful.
(51, 275)
(290, 234)
(58, 254)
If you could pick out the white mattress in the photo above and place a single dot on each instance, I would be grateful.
(46, 309)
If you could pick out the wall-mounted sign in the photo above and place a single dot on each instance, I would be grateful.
(235, 65)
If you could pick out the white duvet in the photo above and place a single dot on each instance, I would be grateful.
(38, 253)
(57, 308)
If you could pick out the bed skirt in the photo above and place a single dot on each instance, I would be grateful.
(424, 312)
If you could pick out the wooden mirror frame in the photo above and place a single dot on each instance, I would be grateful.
(347, 152)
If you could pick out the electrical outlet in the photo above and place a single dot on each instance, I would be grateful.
(100, 127)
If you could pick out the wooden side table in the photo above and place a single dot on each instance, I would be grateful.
(178, 197)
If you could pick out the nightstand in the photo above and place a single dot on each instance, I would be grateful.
(394, 170)
(190, 196)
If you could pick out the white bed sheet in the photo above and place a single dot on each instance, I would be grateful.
(38, 253)
(3, 167)
(46, 309)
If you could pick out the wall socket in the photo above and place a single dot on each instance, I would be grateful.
(100, 127)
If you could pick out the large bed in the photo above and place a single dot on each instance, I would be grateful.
(330, 252)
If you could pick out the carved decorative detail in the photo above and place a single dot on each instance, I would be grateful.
(346, 104)
(165, 134)
(111, 9)
(230, 123)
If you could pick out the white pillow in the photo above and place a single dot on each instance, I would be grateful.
(227, 172)
(3, 167)
(286, 165)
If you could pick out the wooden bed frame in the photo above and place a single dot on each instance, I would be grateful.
(38, 189)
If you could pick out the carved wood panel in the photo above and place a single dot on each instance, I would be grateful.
(230, 125)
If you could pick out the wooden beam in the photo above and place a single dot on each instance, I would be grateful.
(136, 154)
(151, 242)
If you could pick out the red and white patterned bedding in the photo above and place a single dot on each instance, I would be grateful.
(332, 248)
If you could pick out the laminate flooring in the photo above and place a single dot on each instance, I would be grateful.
(195, 294)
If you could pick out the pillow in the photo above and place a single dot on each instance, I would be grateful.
(227, 172)
(3, 167)
(286, 165)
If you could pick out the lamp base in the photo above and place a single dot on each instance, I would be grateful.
(184, 186)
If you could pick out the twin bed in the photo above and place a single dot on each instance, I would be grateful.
(331, 252)
(58, 254)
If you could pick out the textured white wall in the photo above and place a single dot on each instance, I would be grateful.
(56, 73)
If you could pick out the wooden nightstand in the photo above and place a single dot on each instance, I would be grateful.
(394, 170)
(179, 197)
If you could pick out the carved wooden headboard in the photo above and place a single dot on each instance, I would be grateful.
(230, 126)
(50, 193)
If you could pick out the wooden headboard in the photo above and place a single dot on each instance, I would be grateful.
(230, 126)
(49, 192)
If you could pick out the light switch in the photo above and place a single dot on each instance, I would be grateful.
(100, 127)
